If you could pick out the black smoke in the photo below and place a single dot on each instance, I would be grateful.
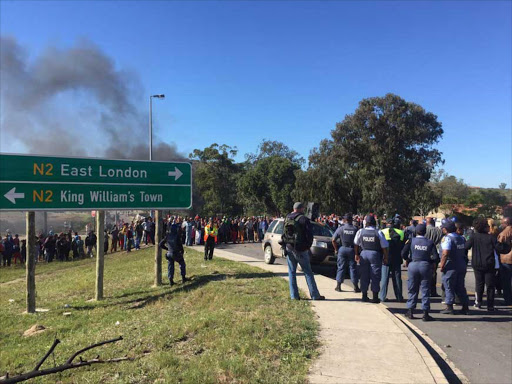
(73, 101)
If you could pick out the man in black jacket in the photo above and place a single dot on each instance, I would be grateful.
(435, 234)
(297, 239)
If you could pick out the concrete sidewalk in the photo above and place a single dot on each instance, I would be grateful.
(361, 342)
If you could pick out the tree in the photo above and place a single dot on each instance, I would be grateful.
(269, 148)
(426, 200)
(328, 181)
(377, 157)
(503, 185)
(269, 177)
(452, 190)
(492, 201)
(215, 179)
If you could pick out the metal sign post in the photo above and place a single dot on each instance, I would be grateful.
(30, 262)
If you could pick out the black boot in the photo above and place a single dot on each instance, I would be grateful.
(464, 310)
(365, 297)
(448, 310)
(171, 283)
(338, 287)
(356, 289)
(375, 299)
(427, 317)
(409, 314)
(184, 279)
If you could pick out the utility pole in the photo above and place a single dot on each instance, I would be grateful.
(30, 263)
(158, 214)
(100, 254)
(158, 251)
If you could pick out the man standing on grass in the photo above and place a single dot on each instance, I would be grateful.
(174, 247)
(297, 239)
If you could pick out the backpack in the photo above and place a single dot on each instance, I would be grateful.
(294, 233)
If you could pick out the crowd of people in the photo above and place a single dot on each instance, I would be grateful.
(369, 249)
(374, 254)
(374, 250)
(229, 230)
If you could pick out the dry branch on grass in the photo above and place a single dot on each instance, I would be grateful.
(69, 364)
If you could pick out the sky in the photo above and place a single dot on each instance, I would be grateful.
(238, 72)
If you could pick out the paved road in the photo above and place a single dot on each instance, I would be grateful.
(479, 344)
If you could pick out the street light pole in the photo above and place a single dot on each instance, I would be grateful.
(150, 128)
(151, 123)
(157, 216)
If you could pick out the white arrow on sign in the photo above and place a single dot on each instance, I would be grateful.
(176, 173)
(12, 195)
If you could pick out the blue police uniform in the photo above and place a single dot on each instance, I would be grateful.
(346, 233)
(172, 243)
(371, 241)
(421, 254)
(454, 270)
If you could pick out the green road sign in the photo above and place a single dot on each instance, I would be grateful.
(57, 183)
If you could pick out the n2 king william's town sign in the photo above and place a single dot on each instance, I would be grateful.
(34, 183)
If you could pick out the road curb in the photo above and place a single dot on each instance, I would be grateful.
(433, 367)
(414, 335)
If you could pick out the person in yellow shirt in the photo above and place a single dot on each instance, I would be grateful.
(211, 232)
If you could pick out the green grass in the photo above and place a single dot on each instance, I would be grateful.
(230, 323)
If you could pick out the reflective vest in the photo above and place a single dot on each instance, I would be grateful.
(209, 231)
(385, 231)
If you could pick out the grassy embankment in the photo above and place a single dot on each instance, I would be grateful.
(230, 323)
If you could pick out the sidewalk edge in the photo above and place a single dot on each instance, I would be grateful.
(430, 363)
(405, 324)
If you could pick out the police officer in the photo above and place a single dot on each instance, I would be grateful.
(371, 249)
(395, 237)
(174, 247)
(453, 267)
(345, 235)
(420, 254)
(410, 231)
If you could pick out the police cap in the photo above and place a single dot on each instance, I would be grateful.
(421, 229)
(449, 225)
(370, 220)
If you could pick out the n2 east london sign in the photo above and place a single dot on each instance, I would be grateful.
(57, 183)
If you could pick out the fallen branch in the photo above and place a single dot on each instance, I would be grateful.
(67, 365)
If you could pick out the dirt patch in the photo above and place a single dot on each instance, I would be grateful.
(34, 330)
